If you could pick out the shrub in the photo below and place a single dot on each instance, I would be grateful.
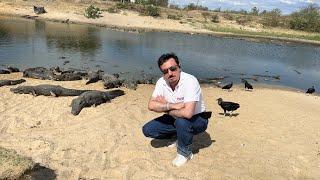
(113, 10)
(124, 5)
(205, 15)
(163, 3)
(173, 6)
(92, 12)
(228, 16)
(307, 19)
(173, 16)
(272, 18)
(143, 2)
(215, 18)
(130, 6)
(217, 9)
(243, 20)
(151, 10)
(192, 6)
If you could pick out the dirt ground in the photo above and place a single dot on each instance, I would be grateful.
(274, 135)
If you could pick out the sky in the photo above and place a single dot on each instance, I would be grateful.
(286, 6)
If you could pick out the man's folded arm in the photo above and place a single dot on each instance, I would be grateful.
(163, 106)
(157, 106)
(185, 112)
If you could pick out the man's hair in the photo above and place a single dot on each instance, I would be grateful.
(165, 57)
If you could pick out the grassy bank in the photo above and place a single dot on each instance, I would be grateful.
(268, 34)
(13, 165)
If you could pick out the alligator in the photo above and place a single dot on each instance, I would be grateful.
(38, 73)
(95, 76)
(53, 73)
(93, 98)
(4, 71)
(11, 82)
(47, 90)
(67, 77)
(111, 81)
(12, 69)
(127, 80)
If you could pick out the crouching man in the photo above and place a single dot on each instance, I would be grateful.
(178, 95)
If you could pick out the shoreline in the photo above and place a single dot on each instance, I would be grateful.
(265, 86)
(246, 37)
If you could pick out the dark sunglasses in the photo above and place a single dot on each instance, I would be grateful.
(172, 68)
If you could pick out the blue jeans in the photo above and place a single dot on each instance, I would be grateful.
(166, 126)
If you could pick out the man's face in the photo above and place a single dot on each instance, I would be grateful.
(171, 71)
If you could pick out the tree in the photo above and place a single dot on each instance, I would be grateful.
(307, 19)
(272, 18)
(255, 11)
(242, 11)
(217, 9)
(263, 12)
(163, 3)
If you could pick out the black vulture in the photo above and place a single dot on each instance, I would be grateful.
(228, 86)
(228, 106)
(39, 9)
(311, 90)
(247, 85)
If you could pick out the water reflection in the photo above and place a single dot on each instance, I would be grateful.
(40, 26)
(4, 35)
(72, 38)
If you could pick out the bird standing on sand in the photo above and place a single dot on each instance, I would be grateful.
(311, 90)
(228, 106)
(247, 86)
(228, 86)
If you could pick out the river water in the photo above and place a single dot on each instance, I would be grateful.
(30, 43)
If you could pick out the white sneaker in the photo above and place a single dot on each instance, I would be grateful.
(181, 160)
(172, 144)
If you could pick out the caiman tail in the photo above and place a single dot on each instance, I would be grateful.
(19, 81)
(115, 93)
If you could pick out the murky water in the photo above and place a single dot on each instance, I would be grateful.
(30, 43)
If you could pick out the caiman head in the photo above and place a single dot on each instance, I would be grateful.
(77, 105)
(22, 90)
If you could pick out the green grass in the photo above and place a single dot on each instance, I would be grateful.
(312, 37)
(12, 165)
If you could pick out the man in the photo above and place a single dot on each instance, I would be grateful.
(178, 94)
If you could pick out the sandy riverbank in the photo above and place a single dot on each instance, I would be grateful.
(126, 20)
(275, 135)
